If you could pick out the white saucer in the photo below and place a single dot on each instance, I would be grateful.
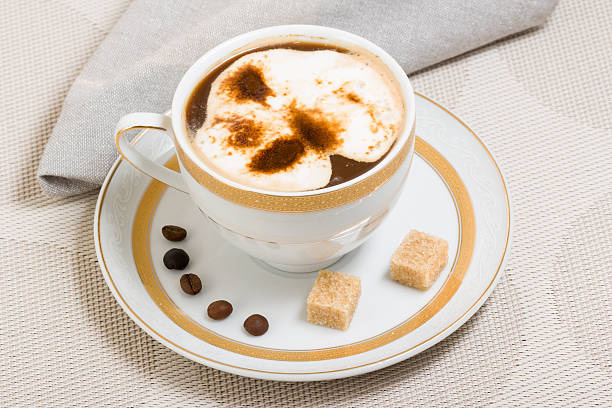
(454, 190)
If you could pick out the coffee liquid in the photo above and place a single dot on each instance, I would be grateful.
(252, 87)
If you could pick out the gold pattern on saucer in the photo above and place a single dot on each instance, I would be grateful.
(141, 236)
(292, 204)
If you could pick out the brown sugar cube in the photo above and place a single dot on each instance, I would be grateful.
(419, 260)
(333, 299)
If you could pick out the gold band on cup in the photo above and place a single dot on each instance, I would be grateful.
(296, 204)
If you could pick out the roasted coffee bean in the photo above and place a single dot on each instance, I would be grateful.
(256, 325)
(219, 309)
(191, 284)
(174, 233)
(176, 258)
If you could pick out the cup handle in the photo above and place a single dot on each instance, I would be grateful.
(144, 120)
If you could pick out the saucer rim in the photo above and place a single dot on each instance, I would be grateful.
(329, 374)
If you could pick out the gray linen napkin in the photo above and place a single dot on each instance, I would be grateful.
(139, 64)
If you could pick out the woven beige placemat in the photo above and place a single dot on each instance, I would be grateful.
(541, 101)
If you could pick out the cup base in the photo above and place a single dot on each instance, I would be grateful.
(301, 269)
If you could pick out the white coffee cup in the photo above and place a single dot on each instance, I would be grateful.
(292, 231)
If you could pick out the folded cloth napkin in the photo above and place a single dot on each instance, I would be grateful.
(139, 64)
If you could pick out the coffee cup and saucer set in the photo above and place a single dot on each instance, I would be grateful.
(261, 250)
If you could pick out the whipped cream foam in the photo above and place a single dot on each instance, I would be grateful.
(274, 117)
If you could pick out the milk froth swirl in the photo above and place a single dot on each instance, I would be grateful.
(274, 117)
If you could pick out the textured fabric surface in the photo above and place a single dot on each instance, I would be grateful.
(540, 101)
(139, 64)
